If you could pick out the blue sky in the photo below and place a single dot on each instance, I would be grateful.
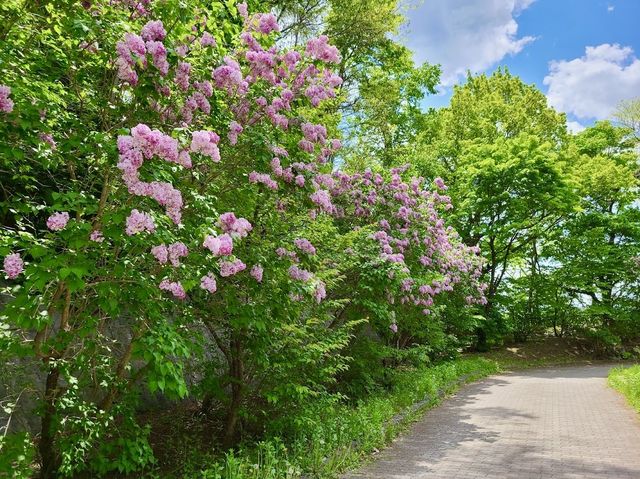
(581, 53)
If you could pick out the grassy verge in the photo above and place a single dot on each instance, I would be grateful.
(627, 381)
(538, 353)
(344, 436)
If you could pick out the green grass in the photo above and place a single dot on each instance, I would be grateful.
(627, 381)
(341, 437)
(538, 353)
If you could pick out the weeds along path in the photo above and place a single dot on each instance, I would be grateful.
(557, 423)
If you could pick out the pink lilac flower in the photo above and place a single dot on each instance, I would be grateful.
(182, 50)
(235, 129)
(182, 75)
(205, 87)
(393, 327)
(323, 200)
(268, 23)
(305, 246)
(314, 133)
(227, 220)
(58, 221)
(229, 268)
(153, 30)
(6, 103)
(229, 77)
(135, 44)
(280, 151)
(132, 44)
(241, 228)
(159, 56)
(177, 251)
(236, 227)
(299, 274)
(219, 245)
(13, 265)
(208, 283)
(319, 49)
(174, 288)
(206, 143)
(48, 139)
(161, 253)
(207, 40)
(256, 272)
(96, 235)
(305, 145)
(439, 182)
(300, 180)
(137, 222)
(320, 292)
(242, 10)
(264, 178)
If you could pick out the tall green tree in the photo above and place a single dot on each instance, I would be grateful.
(600, 243)
(500, 149)
(387, 119)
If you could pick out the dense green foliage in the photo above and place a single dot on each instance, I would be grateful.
(340, 435)
(363, 281)
(627, 381)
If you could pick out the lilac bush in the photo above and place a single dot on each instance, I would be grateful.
(207, 201)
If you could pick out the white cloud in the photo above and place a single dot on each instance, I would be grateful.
(574, 126)
(465, 35)
(591, 86)
(610, 8)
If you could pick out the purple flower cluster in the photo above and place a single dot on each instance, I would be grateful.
(137, 222)
(171, 254)
(208, 283)
(153, 31)
(256, 272)
(235, 129)
(6, 103)
(206, 143)
(133, 49)
(299, 274)
(323, 200)
(264, 178)
(174, 288)
(320, 292)
(207, 40)
(319, 49)
(229, 77)
(439, 182)
(236, 227)
(182, 75)
(13, 265)
(48, 139)
(58, 221)
(145, 143)
(96, 235)
(229, 268)
(305, 246)
(219, 245)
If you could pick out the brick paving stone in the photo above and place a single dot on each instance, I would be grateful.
(554, 423)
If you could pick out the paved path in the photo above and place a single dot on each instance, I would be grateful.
(545, 424)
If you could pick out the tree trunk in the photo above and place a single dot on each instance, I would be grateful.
(46, 447)
(236, 373)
